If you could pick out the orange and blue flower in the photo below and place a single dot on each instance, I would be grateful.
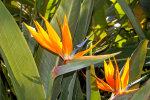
(115, 84)
(51, 41)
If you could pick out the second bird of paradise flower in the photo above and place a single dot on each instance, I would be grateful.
(116, 83)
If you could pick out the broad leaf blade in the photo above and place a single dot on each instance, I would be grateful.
(67, 86)
(124, 97)
(83, 21)
(137, 62)
(80, 63)
(71, 87)
(99, 18)
(78, 94)
(143, 93)
(56, 88)
(18, 59)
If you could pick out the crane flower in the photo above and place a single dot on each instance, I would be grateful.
(115, 84)
(51, 41)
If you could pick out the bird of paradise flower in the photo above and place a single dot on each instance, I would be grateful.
(116, 84)
(52, 41)
(64, 47)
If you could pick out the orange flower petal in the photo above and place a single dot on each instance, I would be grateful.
(66, 38)
(86, 51)
(125, 76)
(41, 31)
(117, 77)
(126, 92)
(51, 32)
(39, 38)
(94, 57)
(112, 75)
(52, 42)
(102, 85)
(109, 73)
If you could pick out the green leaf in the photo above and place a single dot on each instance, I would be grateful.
(45, 64)
(72, 9)
(80, 63)
(124, 97)
(51, 7)
(71, 86)
(137, 62)
(57, 88)
(18, 59)
(99, 17)
(78, 95)
(143, 93)
(131, 17)
(67, 86)
(83, 21)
